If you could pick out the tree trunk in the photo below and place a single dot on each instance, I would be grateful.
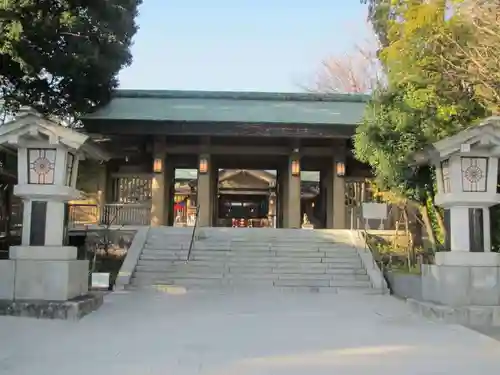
(440, 221)
(428, 226)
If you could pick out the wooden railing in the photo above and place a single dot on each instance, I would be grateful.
(126, 214)
(111, 214)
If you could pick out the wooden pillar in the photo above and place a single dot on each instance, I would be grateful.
(271, 210)
(339, 214)
(158, 184)
(321, 201)
(169, 173)
(279, 198)
(335, 194)
(329, 201)
(214, 180)
(292, 217)
(204, 193)
(102, 190)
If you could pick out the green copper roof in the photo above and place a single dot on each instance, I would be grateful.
(226, 106)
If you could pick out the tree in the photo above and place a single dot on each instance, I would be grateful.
(419, 105)
(478, 63)
(356, 72)
(380, 13)
(421, 102)
(61, 57)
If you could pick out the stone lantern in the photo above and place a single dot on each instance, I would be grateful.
(467, 178)
(44, 267)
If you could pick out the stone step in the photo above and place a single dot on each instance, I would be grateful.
(253, 247)
(322, 283)
(330, 273)
(260, 239)
(262, 242)
(158, 242)
(295, 264)
(256, 263)
(203, 283)
(279, 269)
(242, 260)
(239, 288)
(274, 274)
(166, 245)
(178, 274)
(165, 280)
(228, 258)
(252, 253)
(168, 234)
(158, 233)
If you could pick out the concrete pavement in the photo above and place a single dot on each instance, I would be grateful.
(150, 332)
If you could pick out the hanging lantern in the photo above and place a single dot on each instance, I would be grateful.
(340, 168)
(157, 165)
(203, 167)
(295, 168)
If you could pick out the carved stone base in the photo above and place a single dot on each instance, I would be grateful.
(474, 316)
(74, 309)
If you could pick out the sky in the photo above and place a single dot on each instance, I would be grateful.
(240, 45)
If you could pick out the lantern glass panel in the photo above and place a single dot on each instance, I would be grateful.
(474, 174)
(41, 166)
(445, 171)
(70, 162)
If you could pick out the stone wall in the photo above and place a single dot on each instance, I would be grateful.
(461, 285)
(405, 285)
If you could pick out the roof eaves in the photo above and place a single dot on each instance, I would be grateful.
(241, 95)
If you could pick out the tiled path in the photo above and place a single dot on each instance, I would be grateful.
(143, 333)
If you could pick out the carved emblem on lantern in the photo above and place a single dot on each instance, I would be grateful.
(41, 165)
(474, 174)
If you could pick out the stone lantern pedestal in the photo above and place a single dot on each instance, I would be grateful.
(463, 286)
(43, 274)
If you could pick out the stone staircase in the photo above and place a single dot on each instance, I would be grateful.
(313, 260)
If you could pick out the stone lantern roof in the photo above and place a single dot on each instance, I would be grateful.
(31, 125)
(484, 137)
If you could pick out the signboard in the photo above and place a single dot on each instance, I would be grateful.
(374, 211)
(100, 280)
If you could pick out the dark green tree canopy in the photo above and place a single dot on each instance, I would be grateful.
(62, 57)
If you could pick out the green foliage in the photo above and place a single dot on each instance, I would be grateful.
(62, 57)
(433, 212)
(380, 12)
(419, 105)
(390, 255)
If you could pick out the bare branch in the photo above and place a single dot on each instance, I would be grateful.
(358, 71)
(475, 57)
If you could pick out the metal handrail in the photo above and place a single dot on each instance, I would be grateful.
(193, 233)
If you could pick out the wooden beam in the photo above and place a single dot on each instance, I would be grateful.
(247, 150)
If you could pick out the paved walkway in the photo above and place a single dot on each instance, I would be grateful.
(143, 333)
